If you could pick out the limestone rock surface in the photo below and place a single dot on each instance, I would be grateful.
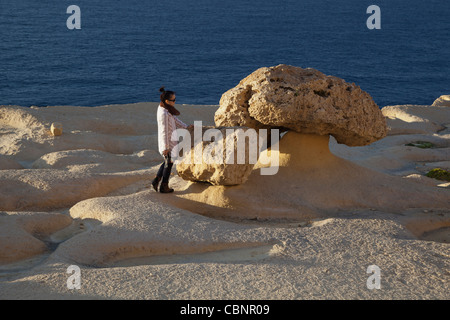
(217, 160)
(442, 101)
(303, 100)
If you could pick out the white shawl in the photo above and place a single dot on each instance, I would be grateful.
(167, 124)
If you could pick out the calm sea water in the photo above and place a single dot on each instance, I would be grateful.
(126, 50)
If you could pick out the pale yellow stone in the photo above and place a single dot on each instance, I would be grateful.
(303, 100)
(307, 232)
(207, 166)
(442, 101)
(56, 129)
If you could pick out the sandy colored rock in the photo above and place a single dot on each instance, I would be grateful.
(412, 119)
(56, 129)
(131, 242)
(116, 129)
(303, 100)
(224, 158)
(311, 183)
(7, 162)
(96, 161)
(37, 189)
(442, 101)
(22, 234)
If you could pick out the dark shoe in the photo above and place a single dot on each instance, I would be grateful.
(164, 188)
(155, 183)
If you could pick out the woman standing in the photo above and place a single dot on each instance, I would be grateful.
(167, 124)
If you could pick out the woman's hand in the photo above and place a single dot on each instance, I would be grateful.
(166, 152)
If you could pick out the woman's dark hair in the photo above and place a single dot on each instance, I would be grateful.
(165, 95)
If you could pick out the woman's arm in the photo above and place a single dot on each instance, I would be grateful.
(179, 123)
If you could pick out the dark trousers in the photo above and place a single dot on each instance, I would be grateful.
(165, 169)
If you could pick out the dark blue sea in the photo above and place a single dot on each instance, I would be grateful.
(126, 50)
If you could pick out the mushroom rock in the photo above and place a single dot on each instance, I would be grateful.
(209, 158)
(303, 100)
(290, 98)
(310, 181)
